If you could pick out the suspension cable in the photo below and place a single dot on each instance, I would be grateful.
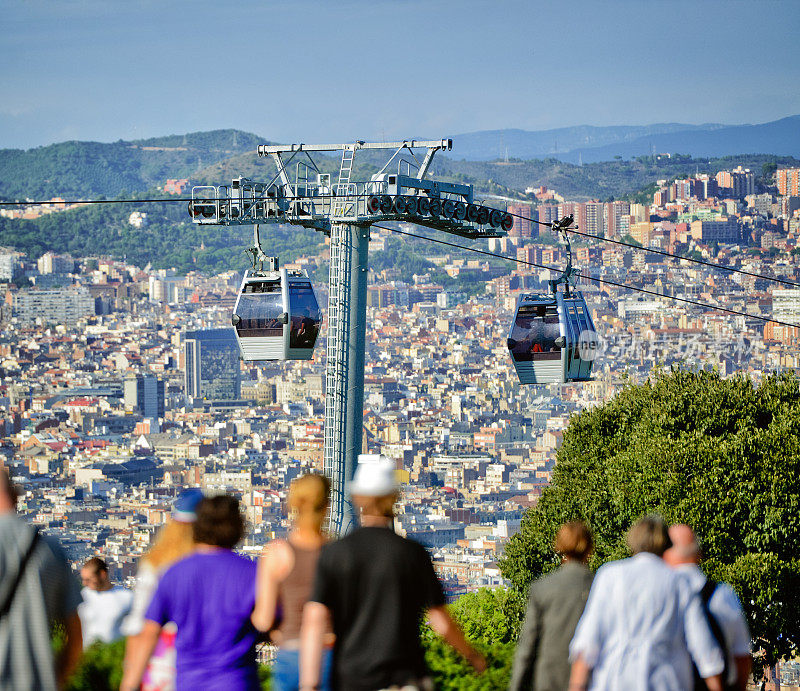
(591, 278)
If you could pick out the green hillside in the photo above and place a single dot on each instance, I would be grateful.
(92, 169)
(168, 240)
(618, 179)
(135, 169)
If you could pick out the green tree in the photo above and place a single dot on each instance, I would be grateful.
(491, 620)
(722, 455)
(100, 668)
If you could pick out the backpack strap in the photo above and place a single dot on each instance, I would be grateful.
(20, 572)
(706, 593)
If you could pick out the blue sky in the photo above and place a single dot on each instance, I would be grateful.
(338, 70)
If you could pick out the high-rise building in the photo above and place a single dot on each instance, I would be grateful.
(738, 182)
(212, 366)
(524, 221)
(60, 306)
(548, 213)
(786, 304)
(594, 222)
(788, 181)
(9, 266)
(723, 230)
(168, 289)
(50, 263)
(612, 218)
(145, 393)
(708, 186)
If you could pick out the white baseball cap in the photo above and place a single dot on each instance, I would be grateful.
(374, 476)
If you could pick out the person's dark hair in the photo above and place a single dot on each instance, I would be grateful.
(649, 534)
(219, 522)
(96, 564)
(574, 541)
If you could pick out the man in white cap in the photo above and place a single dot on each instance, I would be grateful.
(375, 586)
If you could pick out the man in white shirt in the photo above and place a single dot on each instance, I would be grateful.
(684, 556)
(643, 626)
(104, 605)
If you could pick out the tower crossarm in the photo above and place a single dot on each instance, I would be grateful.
(437, 144)
(314, 201)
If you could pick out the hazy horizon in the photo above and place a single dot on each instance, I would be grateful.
(388, 69)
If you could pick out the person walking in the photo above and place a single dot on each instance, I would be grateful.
(37, 591)
(642, 626)
(555, 605)
(285, 577)
(104, 605)
(210, 596)
(375, 587)
(174, 541)
(720, 604)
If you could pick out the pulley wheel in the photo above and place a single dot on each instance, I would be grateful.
(373, 204)
(448, 208)
(461, 211)
(495, 218)
(412, 206)
(483, 215)
(400, 204)
(507, 222)
(386, 204)
(472, 213)
(424, 206)
(436, 207)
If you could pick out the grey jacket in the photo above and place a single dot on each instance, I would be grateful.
(555, 605)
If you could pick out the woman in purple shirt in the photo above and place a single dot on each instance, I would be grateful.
(210, 596)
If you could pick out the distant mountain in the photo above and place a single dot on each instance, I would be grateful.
(84, 169)
(522, 144)
(592, 144)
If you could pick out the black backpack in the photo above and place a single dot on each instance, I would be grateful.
(716, 630)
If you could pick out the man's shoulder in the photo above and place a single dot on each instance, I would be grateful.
(724, 598)
(122, 594)
(363, 538)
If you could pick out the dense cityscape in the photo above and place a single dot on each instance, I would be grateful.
(104, 421)
(400, 346)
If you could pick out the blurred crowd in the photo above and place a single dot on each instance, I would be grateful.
(345, 614)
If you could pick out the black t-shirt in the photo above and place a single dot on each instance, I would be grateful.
(377, 585)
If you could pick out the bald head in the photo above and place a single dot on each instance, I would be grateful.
(685, 548)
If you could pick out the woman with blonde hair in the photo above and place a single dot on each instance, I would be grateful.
(285, 578)
(174, 541)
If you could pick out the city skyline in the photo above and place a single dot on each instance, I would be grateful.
(87, 70)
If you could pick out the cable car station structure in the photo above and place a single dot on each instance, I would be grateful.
(345, 209)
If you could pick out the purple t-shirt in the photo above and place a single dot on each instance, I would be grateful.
(210, 596)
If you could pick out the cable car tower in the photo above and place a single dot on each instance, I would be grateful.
(345, 210)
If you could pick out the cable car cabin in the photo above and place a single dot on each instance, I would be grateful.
(552, 339)
(276, 316)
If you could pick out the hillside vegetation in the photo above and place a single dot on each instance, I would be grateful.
(134, 169)
(169, 240)
(91, 169)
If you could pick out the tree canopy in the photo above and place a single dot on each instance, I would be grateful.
(722, 455)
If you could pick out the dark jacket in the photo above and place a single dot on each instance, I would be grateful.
(555, 605)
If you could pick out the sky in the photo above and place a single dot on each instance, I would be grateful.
(329, 71)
